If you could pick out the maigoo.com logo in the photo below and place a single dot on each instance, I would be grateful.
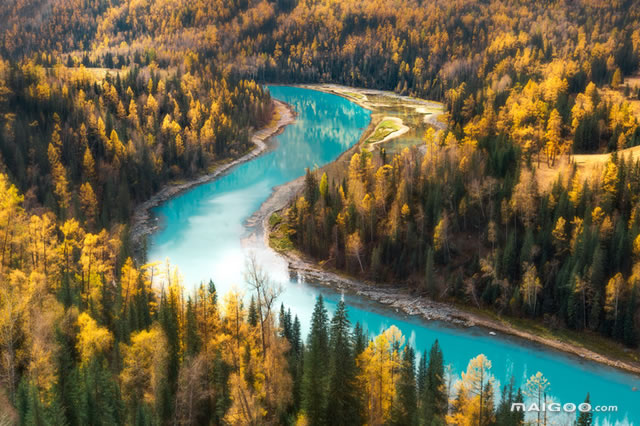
(569, 407)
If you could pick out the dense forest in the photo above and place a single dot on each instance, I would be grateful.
(102, 102)
(86, 341)
(476, 215)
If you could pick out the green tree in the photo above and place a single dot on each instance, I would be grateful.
(405, 406)
(585, 418)
(314, 381)
(433, 397)
(343, 402)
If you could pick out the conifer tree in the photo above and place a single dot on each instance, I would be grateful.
(343, 402)
(405, 406)
(433, 399)
(585, 418)
(314, 381)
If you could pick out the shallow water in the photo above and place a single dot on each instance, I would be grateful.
(202, 232)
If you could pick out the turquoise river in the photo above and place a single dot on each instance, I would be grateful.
(203, 232)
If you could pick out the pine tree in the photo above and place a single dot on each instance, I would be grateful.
(343, 402)
(430, 276)
(192, 338)
(433, 398)
(253, 312)
(359, 339)
(421, 378)
(629, 320)
(585, 418)
(504, 415)
(405, 407)
(314, 381)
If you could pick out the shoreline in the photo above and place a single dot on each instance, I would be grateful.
(143, 223)
(398, 298)
(401, 300)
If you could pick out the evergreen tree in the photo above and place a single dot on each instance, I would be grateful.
(504, 415)
(405, 406)
(629, 320)
(253, 312)
(430, 276)
(585, 418)
(434, 398)
(343, 402)
(421, 378)
(359, 339)
(314, 381)
(192, 339)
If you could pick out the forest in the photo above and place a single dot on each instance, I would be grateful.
(86, 341)
(103, 102)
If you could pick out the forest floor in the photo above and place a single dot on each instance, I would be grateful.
(143, 223)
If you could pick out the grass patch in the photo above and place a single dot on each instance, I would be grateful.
(275, 220)
(358, 96)
(384, 129)
(279, 236)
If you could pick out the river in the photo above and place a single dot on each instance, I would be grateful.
(202, 232)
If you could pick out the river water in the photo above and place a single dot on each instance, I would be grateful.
(203, 230)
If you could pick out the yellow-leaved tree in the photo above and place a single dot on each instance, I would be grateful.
(379, 367)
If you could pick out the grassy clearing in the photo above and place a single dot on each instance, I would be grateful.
(585, 339)
(384, 129)
(358, 96)
(279, 236)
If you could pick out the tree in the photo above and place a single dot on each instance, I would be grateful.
(144, 365)
(553, 136)
(536, 388)
(343, 401)
(615, 289)
(474, 404)
(266, 294)
(530, 286)
(560, 236)
(616, 80)
(430, 276)
(379, 366)
(585, 418)
(433, 397)
(89, 204)
(314, 380)
(58, 171)
(405, 406)
(92, 339)
(355, 248)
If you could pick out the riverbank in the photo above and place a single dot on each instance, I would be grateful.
(401, 300)
(594, 348)
(144, 224)
(407, 118)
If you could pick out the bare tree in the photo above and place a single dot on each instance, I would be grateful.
(192, 390)
(266, 292)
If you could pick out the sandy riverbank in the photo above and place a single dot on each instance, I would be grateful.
(143, 223)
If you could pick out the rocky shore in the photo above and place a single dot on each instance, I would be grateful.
(144, 224)
(401, 300)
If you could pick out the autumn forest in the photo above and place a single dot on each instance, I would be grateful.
(520, 202)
